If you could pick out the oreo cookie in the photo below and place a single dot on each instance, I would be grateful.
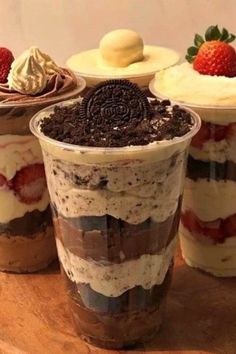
(115, 100)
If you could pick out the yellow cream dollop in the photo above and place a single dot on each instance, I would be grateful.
(121, 48)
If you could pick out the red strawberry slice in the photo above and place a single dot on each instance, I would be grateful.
(218, 132)
(202, 136)
(29, 183)
(6, 59)
(3, 180)
(231, 131)
(229, 226)
(190, 222)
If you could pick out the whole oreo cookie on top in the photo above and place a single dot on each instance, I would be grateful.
(115, 100)
(116, 113)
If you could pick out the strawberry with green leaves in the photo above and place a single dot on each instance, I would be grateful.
(213, 55)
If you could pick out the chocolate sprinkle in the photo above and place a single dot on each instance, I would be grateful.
(116, 113)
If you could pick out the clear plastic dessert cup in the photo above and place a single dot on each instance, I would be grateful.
(27, 242)
(116, 214)
(208, 220)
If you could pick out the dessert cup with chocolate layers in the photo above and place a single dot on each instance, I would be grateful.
(115, 166)
(208, 221)
(26, 232)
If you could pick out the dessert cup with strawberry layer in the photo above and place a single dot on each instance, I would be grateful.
(208, 85)
(122, 55)
(26, 232)
(116, 213)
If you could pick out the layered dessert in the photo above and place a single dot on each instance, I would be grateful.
(115, 167)
(27, 84)
(122, 54)
(207, 83)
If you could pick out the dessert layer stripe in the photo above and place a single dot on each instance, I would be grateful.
(210, 200)
(113, 280)
(109, 240)
(28, 225)
(135, 299)
(211, 170)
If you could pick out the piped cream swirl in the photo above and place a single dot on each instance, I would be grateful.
(27, 76)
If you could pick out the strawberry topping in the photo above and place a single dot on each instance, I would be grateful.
(6, 59)
(29, 183)
(213, 55)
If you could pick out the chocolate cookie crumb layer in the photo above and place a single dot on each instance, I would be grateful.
(124, 124)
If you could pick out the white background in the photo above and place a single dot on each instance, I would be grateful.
(64, 27)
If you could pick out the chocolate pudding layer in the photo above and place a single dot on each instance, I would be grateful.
(211, 170)
(28, 225)
(124, 321)
(107, 239)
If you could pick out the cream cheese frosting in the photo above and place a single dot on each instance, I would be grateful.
(184, 84)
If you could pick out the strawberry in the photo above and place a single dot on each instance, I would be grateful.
(29, 183)
(229, 226)
(214, 55)
(218, 132)
(3, 180)
(6, 59)
(202, 136)
(190, 222)
(231, 131)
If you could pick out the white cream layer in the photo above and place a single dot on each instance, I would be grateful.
(218, 259)
(183, 83)
(18, 151)
(219, 151)
(113, 280)
(133, 192)
(210, 200)
(11, 207)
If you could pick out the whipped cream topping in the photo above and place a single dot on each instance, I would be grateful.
(113, 280)
(35, 77)
(45, 61)
(27, 76)
(183, 83)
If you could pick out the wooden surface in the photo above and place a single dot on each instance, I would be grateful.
(200, 318)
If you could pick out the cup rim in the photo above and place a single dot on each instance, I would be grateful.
(189, 105)
(35, 130)
(81, 84)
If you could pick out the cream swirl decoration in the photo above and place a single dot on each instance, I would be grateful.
(27, 76)
(45, 61)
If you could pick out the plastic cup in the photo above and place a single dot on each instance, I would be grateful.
(208, 220)
(26, 233)
(116, 215)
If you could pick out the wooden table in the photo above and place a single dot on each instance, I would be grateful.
(34, 316)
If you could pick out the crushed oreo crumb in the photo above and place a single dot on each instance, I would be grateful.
(116, 114)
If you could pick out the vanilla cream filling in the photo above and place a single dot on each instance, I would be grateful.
(218, 259)
(115, 279)
(12, 208)
(219, 151)
(210, 200)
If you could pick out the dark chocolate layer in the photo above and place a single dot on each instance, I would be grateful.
(113, 240)
(31, 223)
(211, 170)
(135, 299)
